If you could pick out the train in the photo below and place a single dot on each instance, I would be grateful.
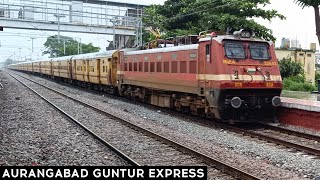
(231, 78)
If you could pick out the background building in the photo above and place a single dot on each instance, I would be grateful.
(305, 56)
(295, 44)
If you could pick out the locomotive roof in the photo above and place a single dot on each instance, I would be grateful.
(80, 56)
(86, 56)
(219, 39)
(167, 49)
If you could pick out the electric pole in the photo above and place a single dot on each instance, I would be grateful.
(58, 16)
(32, 38)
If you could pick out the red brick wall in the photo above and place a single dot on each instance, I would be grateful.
(298, 117)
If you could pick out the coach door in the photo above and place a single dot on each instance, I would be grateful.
(87, 65)
(203, 61)
(40, 69)
(51, 68)
(98, 62)
(114, 67)
(74, 67)
(70, 69)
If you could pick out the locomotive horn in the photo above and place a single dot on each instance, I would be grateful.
(276, 101)
(236, 102)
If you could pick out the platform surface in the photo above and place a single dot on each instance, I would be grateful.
(300, 104)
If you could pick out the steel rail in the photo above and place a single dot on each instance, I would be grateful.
(245, 132)
(233, 171)
(291, 132)
(117, 151)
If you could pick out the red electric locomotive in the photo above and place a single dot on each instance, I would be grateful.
(234, 78)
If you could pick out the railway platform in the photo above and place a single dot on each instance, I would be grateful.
(300, 112)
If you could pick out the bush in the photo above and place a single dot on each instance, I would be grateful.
(296, 83)
(290, 68)
(317, 75)
(298, 78)
(293, 76)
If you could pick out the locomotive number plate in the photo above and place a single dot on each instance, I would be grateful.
(237, 84)
(229, 61)
(270, 63)
(269, 85)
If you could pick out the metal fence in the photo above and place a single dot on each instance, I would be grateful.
(73, 12)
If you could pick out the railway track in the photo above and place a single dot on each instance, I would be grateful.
(309, 144)
(291, 132)
(133, 143)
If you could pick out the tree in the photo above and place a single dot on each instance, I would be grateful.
(8, 62)
(317, 76)
(315, 4)
(290, 68)
(71, 46)
(192, 17)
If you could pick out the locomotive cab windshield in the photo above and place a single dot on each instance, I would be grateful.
(259, 51)
(239, 50)
(234, 50)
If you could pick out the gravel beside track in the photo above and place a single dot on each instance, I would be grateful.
(33, 133)
(264, 160)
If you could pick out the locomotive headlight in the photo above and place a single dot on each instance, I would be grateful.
(236, 102)
(276, 101)
(245, 34)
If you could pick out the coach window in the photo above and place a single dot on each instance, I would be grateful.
(174, 67)
(159, 67)
(146, 67)
(130, 66)
(135, 66)
(104, 68)
(152, 66)
(183, 67)
(166, 67)
(140, 66)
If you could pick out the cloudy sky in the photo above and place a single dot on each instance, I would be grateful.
(299, 25)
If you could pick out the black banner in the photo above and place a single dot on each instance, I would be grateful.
(104, 172)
